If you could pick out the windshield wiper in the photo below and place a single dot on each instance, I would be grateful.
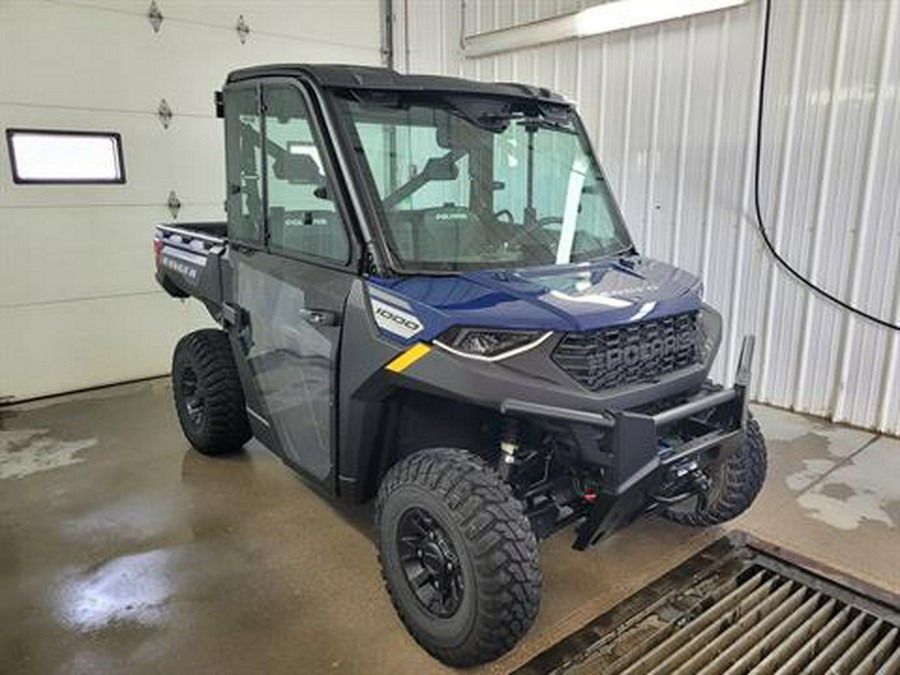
(618, 253)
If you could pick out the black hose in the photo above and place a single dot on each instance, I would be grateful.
(759, 218)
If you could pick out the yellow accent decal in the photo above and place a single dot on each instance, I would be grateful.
(409, 357)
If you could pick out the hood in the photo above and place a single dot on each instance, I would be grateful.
(582, 296)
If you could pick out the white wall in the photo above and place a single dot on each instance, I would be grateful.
(671, 109)
(78, 303)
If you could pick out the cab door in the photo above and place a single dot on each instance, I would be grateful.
(292, 258)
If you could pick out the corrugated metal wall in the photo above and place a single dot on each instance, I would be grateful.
(671, 109)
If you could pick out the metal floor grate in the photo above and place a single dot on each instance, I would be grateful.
(732, 609)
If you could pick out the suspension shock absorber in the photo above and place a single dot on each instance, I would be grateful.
(509, 446)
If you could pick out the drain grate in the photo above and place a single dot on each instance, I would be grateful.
(737, 608)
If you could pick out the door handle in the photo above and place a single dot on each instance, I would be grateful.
(320, 317)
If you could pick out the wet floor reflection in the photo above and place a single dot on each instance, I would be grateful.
(128, 590)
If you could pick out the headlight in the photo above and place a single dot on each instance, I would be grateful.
(489, 344)
(710, 332)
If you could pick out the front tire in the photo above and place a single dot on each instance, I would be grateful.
(735, 484)
(208, 394)
(458, 556)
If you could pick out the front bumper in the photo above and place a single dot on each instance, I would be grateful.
(633, 451)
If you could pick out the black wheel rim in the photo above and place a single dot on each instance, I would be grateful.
(192, 396)
(429, 563)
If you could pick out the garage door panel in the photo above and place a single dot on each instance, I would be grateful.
(174, 64)
(54, 253)
(74, 75)
(78, 300)
(341, 22)
(67, 346)
(187, 157)
(187, 77)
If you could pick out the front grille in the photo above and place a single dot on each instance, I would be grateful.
(611, 357)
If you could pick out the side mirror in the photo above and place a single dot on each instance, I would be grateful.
(443, 134)
(297, 169)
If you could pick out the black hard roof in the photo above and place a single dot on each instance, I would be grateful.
(369, 77)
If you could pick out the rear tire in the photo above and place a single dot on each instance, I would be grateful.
(735, 484)
(458, 556)
(208, 394)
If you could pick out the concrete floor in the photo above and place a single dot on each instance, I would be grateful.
(122, 550)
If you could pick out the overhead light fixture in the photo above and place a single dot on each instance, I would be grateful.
(605, 18)
(623, 14)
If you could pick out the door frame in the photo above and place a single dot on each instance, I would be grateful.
(259, 416)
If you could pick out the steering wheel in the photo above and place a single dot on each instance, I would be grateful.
(548, 220)
(531, 230)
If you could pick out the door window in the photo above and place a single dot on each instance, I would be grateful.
(244, 141)
(302, 212)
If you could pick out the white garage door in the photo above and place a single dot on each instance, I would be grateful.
(78, 303)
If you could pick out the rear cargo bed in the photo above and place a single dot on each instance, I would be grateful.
(189, 260)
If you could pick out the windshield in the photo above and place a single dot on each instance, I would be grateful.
(476, 182)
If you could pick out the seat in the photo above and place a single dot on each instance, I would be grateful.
(319, 233)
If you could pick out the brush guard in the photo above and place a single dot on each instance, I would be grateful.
(638, 456)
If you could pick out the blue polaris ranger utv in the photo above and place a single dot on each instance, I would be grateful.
(427, 297)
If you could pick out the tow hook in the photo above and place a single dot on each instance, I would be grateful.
(692, 478)
(701, 482)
